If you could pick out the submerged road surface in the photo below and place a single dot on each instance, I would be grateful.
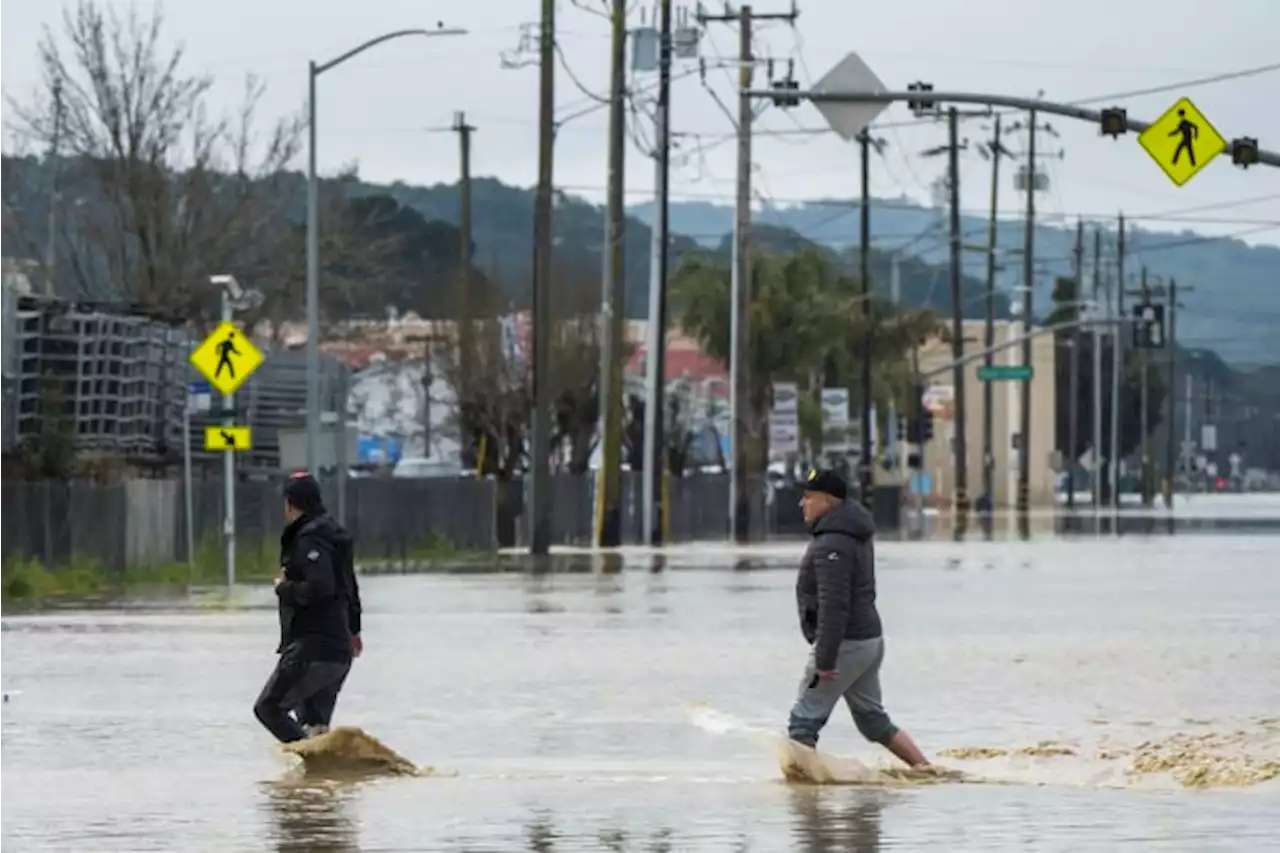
(1126, 691)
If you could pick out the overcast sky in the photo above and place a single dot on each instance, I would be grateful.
(379, 109)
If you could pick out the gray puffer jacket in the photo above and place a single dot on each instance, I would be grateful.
(836, 589)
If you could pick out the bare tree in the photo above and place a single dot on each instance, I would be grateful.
(495, 410)
(161, 192)
(575, 372)
(490, 414)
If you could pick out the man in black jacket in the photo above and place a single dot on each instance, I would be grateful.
(320, 611)
(836, 598)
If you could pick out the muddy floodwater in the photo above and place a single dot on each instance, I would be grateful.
(1100, 693)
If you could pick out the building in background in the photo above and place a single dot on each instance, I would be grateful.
(937, 456)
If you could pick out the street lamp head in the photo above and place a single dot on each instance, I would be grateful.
(228, 283)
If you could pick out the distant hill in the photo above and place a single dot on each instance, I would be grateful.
(1233, 310)
(503, 235)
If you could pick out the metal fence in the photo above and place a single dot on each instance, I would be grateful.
(143, 522)
(390, 518)
(697, 509)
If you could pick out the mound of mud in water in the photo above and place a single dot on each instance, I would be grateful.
(348, 750)
(1043, 749)
(1204, 760)
(1208, 760)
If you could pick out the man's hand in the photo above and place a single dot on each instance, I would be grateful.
(827, 674)
(279, 580)
(357, 645)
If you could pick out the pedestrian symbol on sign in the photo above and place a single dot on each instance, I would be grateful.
(1189, 131)
(226, 349)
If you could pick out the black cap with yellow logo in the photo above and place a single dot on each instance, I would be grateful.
(827, 482)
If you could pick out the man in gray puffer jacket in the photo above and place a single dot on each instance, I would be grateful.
(836, 598)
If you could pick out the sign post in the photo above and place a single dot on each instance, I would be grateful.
(227, 358)
(198, 400)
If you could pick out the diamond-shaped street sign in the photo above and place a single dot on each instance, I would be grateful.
(850, 74)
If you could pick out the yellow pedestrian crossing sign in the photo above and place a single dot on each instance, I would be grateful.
(228, 438)
(1182, 142)
(226, 358)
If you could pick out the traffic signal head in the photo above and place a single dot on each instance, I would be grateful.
(922, 106)
(926, 425)
(1244, 152)
(784, 96)
(1114, 122)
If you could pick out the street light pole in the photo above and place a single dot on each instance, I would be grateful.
(314, 70)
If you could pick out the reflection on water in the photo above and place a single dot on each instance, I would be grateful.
(311, 817)
(539, 835)
(826, 820)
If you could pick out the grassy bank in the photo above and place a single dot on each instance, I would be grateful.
(27, 583)
(439, 552)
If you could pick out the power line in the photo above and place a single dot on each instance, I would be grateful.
(885, 204)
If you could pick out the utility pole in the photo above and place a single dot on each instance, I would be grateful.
(740, 281)
(1188, 415)
(1097, 339)
(740, 331)
(1073, 368)
(656, 344)
(900, 439)
(466, 325)
(1142, 402)
(538, 497)
(609, 495)
(989, 336)
(55, 140)
(1028, 282)
(1117, 361)
(1170, 394)
(866, 469)
(960, 450)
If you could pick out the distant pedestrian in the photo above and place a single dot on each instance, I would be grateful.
(320, 616)
(836, 598)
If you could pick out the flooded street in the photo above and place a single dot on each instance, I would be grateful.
(556, 709)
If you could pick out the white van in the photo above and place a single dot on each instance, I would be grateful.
(422, 467)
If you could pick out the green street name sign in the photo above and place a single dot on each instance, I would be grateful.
(1006, 373)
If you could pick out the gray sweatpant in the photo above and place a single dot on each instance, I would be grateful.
(857, 681)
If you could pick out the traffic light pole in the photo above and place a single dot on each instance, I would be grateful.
(1121, 120)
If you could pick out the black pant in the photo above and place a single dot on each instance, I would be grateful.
(307, 688)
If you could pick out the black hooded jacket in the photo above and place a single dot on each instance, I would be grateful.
(836, 589)
(319, 597)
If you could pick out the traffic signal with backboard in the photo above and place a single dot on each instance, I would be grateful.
(783, 93)
(920, 424)
(1148, 326)
(920, 106)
